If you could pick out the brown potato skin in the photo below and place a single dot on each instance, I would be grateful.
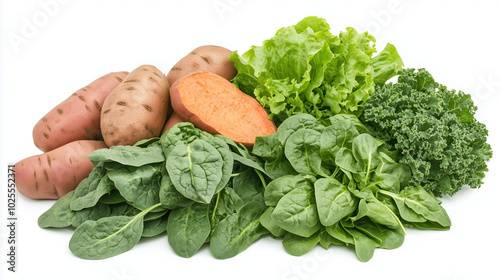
(208, 58)
(53, 174)
(78, 116)
(137, 108)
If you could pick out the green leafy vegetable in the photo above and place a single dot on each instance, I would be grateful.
(304, 68)
(433, 130)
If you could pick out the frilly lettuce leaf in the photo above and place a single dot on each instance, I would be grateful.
(304, 68)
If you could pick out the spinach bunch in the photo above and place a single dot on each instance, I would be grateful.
(197, 187)
(335, 184)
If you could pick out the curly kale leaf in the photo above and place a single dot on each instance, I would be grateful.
(433, 129)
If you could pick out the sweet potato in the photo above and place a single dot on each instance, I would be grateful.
(55, 173)
(172, 120)
(214, 59)
(77, 117)
(213, 104)
(137, 108)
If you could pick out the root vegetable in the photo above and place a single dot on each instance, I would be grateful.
(77, 117)
(214, 59)
(213, 104)
(137, 108)
(53, 174)
(172, 120)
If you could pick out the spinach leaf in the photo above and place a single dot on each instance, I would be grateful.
(248, 186)
(155, 227)
(363, 244)
(128, 155)
(296, 212)
(181, 132)
(267, 221)
(334, 137)
(297, 245)
(227, 161)
(100, 210)
(338, 232)
(302, 149)
(91, 189)
(108, 236)
(188, 228)
(59, 214)
(169, 197)
(334, 200)
(295, 123)
(138, 185)
(272, 151)
(226, 203)
(365, 151)
(195, 170)
(237, 231)
(278, 188)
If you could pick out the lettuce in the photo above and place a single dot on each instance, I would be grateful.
(304, 68)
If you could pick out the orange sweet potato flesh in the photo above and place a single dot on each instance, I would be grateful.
(213, 104)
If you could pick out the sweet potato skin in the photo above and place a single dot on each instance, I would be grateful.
(236, 115)
(137, 108)
(53, 174)
(209, 58)
(172, 120)
(77, 117)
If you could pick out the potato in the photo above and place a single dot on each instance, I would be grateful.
(53, 174)
(172, 120)
(137, 108)
(214, 59)
(215, 105)
(77, 117)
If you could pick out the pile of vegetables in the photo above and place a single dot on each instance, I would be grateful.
(302, 139)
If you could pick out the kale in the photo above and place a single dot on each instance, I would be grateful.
(433, 129)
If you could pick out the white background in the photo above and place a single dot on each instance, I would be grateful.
(52, 48)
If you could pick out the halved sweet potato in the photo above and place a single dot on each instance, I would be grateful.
(213, 104)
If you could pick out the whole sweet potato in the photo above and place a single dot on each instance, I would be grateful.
(137, 108)
(77, 117)
(208, 58)
(55, 173)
